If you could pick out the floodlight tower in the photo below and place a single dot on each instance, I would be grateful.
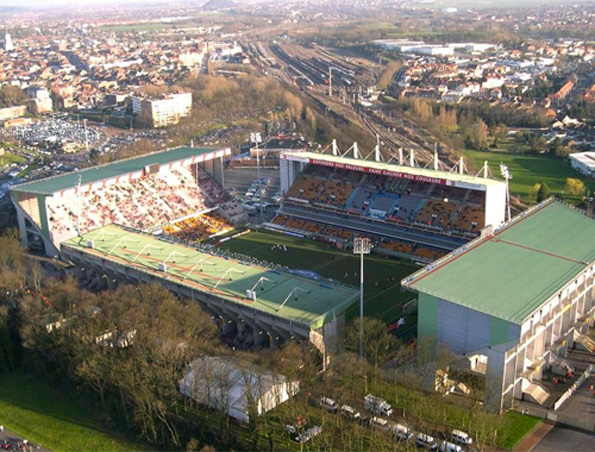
(361, 246)
(507, 176)
(78, 205)
(256, 138)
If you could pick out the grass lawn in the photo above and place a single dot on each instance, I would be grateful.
(527, 170)
(382, 299)
(9, 158)
(516, 427)
(39, 413)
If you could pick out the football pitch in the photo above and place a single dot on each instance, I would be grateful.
(383, 297)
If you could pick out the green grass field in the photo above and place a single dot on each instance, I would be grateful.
(9, 158)
(39, 413)
(382, 299)
(528, 170)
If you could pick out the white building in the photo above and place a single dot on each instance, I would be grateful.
(583, 162)
(8, 45)
(227, 384)
(165, 111)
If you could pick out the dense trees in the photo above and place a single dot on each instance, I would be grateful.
(11, 96)
(574, 187)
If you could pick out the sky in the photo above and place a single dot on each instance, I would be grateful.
(49, 3)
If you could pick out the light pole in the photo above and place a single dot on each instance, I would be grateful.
(256, 138)
(361, 246)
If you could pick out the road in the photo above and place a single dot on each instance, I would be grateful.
(16, 442)
(566, 439)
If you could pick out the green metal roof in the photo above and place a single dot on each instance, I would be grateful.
(317, 302)
(110, 170)
(513, 273)
(430, 173)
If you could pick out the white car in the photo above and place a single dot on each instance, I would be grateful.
(349, 412)
(309, 434)
(379, 423)
(461, 437)
(329, 404)
(426, 441)
(450, 447)
(402, 432)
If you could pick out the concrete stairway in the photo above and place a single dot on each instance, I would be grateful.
(536, 393)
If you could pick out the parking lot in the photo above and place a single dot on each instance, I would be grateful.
(240, 181)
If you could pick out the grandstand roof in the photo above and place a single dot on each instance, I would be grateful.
(423, 174)
(322, 301)
(513, 273)
(110, 170)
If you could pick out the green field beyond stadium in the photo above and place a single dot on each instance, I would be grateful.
(527, 170)
(383, 297)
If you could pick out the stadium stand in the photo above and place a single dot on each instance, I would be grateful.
(411, 205)
(195, 229)
(142, 203)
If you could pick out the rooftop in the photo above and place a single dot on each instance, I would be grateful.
(312, 306)
(110, 170)
(586, 158)
(427, 174)
(513, 273)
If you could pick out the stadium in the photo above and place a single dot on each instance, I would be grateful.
(143, 219)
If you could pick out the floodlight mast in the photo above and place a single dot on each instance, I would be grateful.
(256, 138)
(361, 246)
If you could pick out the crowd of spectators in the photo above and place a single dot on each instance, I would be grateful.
(145, 203)
(197, 228)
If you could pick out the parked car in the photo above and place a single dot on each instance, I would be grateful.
(446, 446)
(458, 436)
(349, 412)
(379, 423)
(377, 405)
(426, 441)
(402, 432)
(329, 404)
(309, 434)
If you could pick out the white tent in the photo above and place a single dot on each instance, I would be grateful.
(228, 384)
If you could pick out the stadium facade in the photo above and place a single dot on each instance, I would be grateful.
(511, 303)
(251, 304)
(58, 208)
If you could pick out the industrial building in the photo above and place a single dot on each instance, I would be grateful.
(511, 303)
(163, 112)
(583, 162)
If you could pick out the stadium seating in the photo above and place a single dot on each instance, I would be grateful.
(143, 203)
(404, 203)
(195, 229)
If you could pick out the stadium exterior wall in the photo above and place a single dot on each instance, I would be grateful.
(228, 315)
(516, 354)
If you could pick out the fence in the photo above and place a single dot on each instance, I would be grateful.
(577, 384)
